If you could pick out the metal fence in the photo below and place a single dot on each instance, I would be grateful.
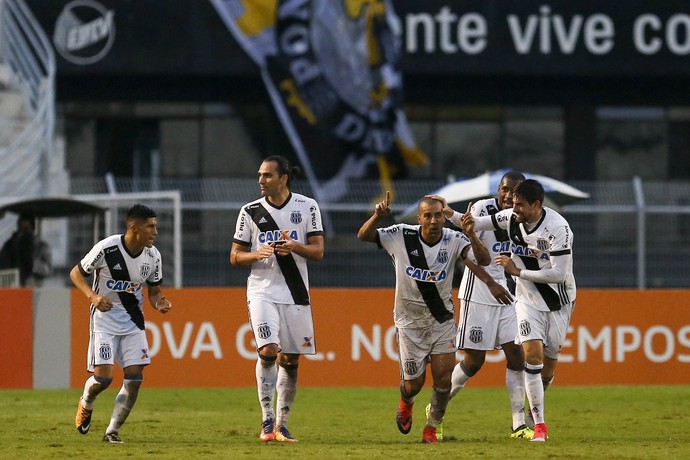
(630, 234)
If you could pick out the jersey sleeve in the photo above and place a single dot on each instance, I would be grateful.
(156, 276)
(387, 236)
(243, 234)
(93, 260)
(562, 242)
(315, 225)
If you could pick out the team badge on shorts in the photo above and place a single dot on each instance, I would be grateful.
(442, 256)
(476, 335)
(264, 331)
(104, 351)
(295, 217)
(410, 367)
(525, 327)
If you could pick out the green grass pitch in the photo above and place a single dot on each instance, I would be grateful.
(584, 423)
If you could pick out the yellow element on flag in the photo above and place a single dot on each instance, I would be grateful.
(258, 16)
(384, 179)
(413, 156)
(376, 9)
(294, 99)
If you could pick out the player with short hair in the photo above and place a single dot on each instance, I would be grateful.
(424, 257)
(276, 235)
(121, 265)
(542, 262)
(487, 310)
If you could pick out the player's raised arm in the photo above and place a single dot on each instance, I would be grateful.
(368, 230)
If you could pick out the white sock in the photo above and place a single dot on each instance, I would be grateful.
(287, 389)
(266, 385)
(124, 401)
(458, 379)
(535, 391)
(92, 388)
(515, 381)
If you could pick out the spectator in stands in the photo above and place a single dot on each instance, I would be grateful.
(27, 252)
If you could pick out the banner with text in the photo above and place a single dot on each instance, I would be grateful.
(616, 337)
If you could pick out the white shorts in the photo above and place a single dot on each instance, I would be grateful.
(485, 327)
(548, 326)
(125, 350)
(416, 345)
(289, 326)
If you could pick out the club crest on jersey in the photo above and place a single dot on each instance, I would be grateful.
(543, 244)
(272, 236)
(428, 276)
(145, 270)
(122, 286)
(442, 256)
(296, 217)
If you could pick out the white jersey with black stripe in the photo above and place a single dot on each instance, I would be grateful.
(120, 276)
(472, 288)
(533, 248)
(410, 308)
(279, 279)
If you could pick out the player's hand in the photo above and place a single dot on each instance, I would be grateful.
(467, 220)
(508, 265)
(101, 303)
(383, 207)
(447, 210)
(501, 294)
(163, 305)
(284, 247)
(265, 252)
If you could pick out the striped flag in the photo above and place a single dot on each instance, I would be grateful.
(332, 71)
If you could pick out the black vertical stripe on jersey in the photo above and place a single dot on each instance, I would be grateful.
(429, 291)
(547, 293)
(113, 256)
(287, 264)
(501, 236)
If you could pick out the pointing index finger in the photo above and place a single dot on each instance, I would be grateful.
(388, 197)
(469, 207)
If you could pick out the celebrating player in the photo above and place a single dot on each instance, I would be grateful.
(424, 257)
(542, 262)
(487, 312)
(276, 235)
(121, 264)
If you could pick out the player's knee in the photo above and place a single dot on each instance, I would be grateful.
(267, 360)
(104, 382)
(470, 371)
(290, 368)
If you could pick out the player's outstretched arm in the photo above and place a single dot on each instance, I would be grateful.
(368, 230)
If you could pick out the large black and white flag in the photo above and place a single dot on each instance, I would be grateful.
(331, 69)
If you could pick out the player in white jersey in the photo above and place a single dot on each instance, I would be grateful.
(542, 262)
(276, 235)
(487, 312)
(424, 257)
(121, 265)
